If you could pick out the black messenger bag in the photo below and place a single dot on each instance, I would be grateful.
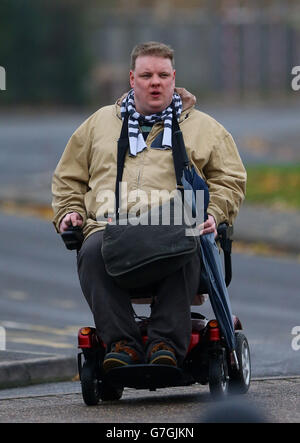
(137, 255)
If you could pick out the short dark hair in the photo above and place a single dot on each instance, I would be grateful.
(151, 48)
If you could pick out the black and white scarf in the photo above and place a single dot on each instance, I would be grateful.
(136, 140)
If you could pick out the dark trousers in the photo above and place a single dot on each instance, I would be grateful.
(170, 319)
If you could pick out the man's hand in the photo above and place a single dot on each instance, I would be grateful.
(71, 219)
(208, 226)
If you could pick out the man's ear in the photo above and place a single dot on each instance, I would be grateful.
(131, 79)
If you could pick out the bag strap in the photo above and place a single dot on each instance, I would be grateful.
(180, 157)
(123, 145)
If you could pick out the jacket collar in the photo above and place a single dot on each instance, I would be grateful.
(188, 102)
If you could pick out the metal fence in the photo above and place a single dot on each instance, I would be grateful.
(72, 52)
(214, 57)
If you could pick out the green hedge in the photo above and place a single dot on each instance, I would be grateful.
(43, 49)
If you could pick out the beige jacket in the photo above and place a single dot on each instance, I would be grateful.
(87, 168)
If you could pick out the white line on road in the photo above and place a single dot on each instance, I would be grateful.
(68, 331)
(39, 342)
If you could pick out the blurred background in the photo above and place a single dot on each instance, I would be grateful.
(75, 53)
(64, 59)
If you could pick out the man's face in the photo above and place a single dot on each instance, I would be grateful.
(153, 81)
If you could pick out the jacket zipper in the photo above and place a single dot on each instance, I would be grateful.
(138, 183)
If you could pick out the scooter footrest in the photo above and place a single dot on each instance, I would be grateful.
(145, 376)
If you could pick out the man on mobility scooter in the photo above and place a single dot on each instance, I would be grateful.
(86, 175)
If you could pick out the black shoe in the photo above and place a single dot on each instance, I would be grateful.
(120, 355)
(162, 354)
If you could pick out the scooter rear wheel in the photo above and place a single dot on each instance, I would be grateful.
(90, 385)
(239, 381)
(218, 379)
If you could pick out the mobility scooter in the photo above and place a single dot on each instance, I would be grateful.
(208, 360)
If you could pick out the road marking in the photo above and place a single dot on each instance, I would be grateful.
(276, 377)
(16, 295)
(38, 342)
(68, 331)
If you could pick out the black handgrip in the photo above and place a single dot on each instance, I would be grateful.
(73, 237)
(225, 233)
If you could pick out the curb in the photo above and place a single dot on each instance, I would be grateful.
(59, 368)
(37, 370)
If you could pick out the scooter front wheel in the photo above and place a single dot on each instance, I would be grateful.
(108, 392)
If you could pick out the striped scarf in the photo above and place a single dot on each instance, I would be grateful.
(136, 140)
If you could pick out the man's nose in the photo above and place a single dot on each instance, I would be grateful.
(155, 79)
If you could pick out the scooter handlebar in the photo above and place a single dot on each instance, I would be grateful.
(73, 237)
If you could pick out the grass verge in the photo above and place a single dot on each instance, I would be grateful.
(274, 186)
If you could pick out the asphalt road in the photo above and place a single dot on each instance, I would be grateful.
(41, 305)
(268, 401)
